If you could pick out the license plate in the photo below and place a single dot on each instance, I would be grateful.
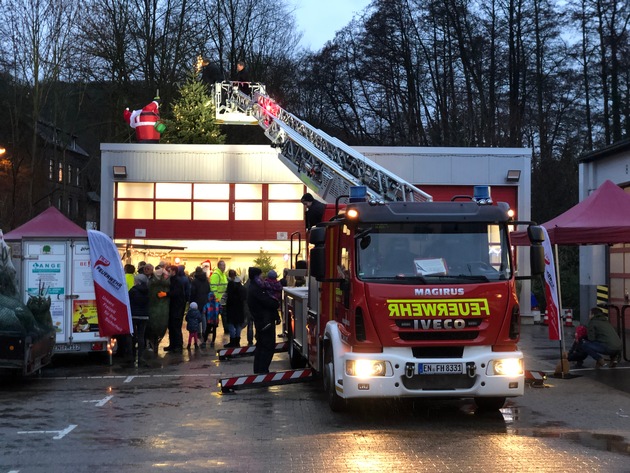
(73, 347)
(440, 368)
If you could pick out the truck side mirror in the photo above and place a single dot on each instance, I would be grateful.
(317, 236)
(535, 234)
(317, 259)
(537, 259)
(317, 262)
(537, 252)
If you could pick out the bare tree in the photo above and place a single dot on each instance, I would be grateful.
(261, 33)
(39, 43)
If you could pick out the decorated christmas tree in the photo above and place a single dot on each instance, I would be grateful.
(264, 262)
(192, 116)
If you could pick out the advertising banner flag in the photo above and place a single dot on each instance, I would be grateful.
(551, 291)
(110, 287)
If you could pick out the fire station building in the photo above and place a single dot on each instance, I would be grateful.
(192, 203)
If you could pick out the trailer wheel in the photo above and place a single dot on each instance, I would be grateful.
(489, 403)
(336, 403)
(296, 360)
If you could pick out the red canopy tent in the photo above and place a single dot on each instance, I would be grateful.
(50, 223)
(603, 218)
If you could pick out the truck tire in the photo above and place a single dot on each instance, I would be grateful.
(296, 360)
(489, 403)
(336, 403)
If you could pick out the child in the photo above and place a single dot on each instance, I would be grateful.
(274, 289)
(273, 286)
(193, 320)
(211, 317)
(576, 353)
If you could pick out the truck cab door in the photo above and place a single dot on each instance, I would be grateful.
(343, 288)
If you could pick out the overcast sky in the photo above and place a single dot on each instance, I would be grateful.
(319, 20)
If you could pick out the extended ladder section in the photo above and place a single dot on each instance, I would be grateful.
(325, 164)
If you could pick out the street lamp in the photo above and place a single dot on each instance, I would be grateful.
(4, 162)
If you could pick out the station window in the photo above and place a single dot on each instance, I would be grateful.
(212, 192)
(248, 211)
(211, 210)
(137, 210)
(51, 169)
(173, 211)
(205, 201)
(286, 192)
(286, 211)
(172, 191)
(60, 173)
(248, 191)
(135, 190)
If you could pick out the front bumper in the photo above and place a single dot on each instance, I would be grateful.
(402, 380)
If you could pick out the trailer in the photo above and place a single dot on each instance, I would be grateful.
(52, 258)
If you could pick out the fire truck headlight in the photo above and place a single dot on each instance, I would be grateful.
(365, 368)
(507, 367)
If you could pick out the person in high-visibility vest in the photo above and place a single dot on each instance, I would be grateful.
(146, 122)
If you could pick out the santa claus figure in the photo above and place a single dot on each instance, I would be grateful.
(146, 122)
(206, 266)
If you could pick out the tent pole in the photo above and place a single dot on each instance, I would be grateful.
(561, 321)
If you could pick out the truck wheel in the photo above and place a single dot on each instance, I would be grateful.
(336, 403)
(489, 403)
(296, 360)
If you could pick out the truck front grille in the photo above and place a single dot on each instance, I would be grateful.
(439, 382)
(429, 336)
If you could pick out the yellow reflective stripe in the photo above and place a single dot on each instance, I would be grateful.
(438, 307)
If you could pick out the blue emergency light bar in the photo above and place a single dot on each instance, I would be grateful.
(358, 193)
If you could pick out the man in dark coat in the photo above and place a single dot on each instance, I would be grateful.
(264, 310)
(242, 77)
(199, 290)
(314, 210)
(139, 304)
(176, 309)
(235, 309)
(199, 287)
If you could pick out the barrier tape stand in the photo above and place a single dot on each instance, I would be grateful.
(273, 378)
(227, 353)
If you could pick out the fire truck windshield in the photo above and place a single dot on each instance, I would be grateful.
(433, 253)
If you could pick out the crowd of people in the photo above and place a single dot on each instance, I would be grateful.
(161, 298)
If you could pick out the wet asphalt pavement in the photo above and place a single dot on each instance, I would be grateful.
(83, 415)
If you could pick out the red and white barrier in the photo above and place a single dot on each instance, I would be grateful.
(261, 380)
(225, 353)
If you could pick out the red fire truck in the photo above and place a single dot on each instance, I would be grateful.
(405, 297)
(411, 300)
